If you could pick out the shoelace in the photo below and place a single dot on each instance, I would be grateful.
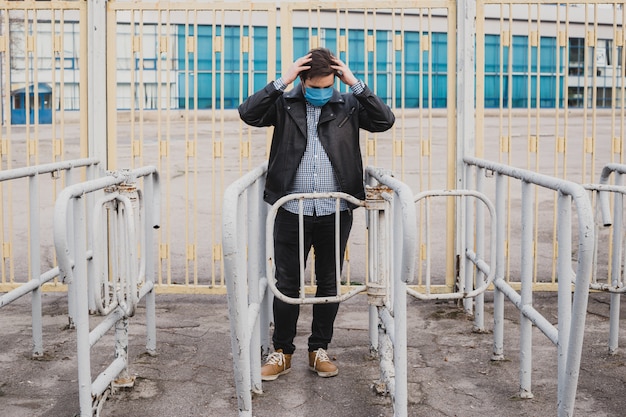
(321, 356)
(275, 358)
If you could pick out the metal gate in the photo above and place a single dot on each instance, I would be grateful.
(392, 237)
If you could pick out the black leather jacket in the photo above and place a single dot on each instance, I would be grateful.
(338, 130)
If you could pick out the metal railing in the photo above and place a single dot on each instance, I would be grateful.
(476, 280)
(391, 222)
(568, 336)
(38, 277)
(248, 299)
(612, 282)
(84, 262)
(392, 243)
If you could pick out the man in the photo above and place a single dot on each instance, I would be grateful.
(315, 148)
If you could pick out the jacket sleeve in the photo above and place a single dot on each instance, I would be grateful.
(374, 114)
(260, 108)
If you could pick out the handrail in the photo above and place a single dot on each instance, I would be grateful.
(38, 278)
(488, 270)
(246, 295)
(409, 219)
(73, 269)
(607, 170)
(614, 284)
(571, 332)
(271, 264)
(15, 173)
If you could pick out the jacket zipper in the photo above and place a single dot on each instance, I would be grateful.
(345, 119)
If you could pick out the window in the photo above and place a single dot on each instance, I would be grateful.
(604, 96)
(576, 56)
(575, 96)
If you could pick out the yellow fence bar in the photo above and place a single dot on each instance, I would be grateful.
(40, 51)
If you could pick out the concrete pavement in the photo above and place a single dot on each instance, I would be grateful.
(450, 371)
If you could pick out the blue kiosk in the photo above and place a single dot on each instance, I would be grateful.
(18, 104)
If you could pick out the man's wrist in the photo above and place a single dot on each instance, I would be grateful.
(280, 84)
(358, 87)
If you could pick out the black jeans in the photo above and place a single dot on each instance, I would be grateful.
(319, 232)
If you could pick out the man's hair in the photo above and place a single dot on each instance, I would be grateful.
(321, 60)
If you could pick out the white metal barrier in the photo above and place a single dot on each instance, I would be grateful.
(613, 281)
(568, 337)
(391, 224)
(84, 263)
(475, 280)
(392, 243)
(38, 277)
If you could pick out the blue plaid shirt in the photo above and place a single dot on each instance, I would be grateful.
(315, 173)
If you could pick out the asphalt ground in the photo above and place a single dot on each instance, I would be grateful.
(450, 368)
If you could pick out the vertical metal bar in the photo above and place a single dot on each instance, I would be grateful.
(238, 307)
(564, 274)
(526, 291)
(372, 250)
(165, 163)
(150, 222)
(194, 209)
(479, 302)
(400, 315)
(616, 269)
(426, 225)
(301, 253)
(121, 346)
(97, 73)
(466, 272)
(579, 305)
(82, 308)
(498, 296)
(71, 291)
(254, 261)
(266, 313)
(35, 263)
(465, 87)
(90, 233)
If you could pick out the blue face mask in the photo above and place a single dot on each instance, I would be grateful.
(318, 96)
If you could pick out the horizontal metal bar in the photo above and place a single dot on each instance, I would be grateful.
(28, 287)
(11, 174)
(607, 287)
(146, 287)
(528, 311)
(105, 325)
(103, 380)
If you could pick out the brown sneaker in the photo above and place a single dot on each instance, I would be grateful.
(320, 362)
(277, 364)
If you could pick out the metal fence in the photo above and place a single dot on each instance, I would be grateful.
(574, 277)
(391, 251)
(158, 85)
(36, 275)
(112, 278)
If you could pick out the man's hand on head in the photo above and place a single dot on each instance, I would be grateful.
(344, 73)
(296, 68)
